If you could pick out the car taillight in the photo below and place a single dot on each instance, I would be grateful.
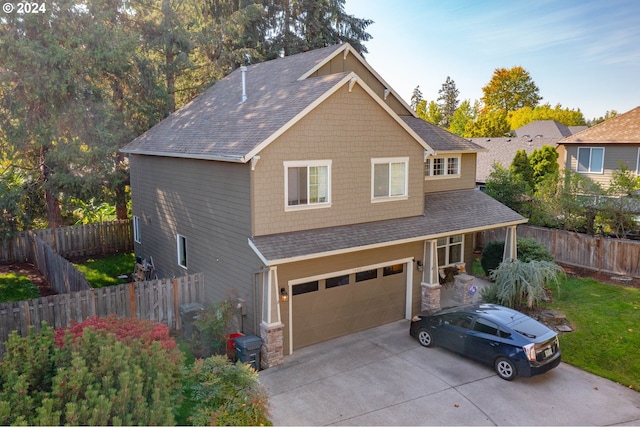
(530, 351)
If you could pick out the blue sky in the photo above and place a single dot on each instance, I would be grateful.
(581, 54)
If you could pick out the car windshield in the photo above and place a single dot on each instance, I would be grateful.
(529, 327)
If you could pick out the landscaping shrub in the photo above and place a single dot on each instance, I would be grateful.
(223, 393)
(214, 324)
(521, 284)
(528, 250)
(98, 372)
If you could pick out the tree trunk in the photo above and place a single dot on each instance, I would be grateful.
(52, 205)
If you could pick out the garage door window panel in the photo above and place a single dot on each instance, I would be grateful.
(393, 269)
(366, 275)
(334, 282)
(305, 288)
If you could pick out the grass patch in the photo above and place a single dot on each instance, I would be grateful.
(17, 287)
(104, 271)
(606, 319)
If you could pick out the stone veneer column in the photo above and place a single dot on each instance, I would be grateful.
(430, 297)
(272, 350)
(462, 283)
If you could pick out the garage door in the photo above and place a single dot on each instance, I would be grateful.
(342, 304)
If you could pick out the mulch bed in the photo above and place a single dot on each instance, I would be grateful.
(32, 273)
(609, 278)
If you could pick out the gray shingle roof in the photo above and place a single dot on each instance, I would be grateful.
(217, 126)
(548, 129)
(624, 128)
(438, 138)
(445, 213)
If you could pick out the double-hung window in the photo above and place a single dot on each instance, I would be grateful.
(442, 167)
(307, 184)
(450, 250)
(590, 159)
(389, 178)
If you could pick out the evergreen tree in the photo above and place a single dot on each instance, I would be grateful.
(448, 102)
(416, 98)
(520, 166)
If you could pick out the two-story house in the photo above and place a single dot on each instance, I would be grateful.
(600, 150)
(308, 188)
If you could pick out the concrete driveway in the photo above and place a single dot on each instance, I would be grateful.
(382, 376)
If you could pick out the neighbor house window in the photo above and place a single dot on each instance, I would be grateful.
(389, 177)
(308, 183)
(442, 167)
(136, 229)
(638, 163)
(590, 160)
(450, 250)
(182, 250)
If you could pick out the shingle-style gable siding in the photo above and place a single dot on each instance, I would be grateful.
(350, 129)
(207, 202)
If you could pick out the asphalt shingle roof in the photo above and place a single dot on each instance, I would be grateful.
(445, 213)
(438, 138)
(624, 128)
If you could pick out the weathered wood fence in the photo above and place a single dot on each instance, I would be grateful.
(605, 254)
(157, 300)
(75, 241)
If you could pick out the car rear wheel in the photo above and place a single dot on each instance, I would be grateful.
(505, 368)
(425, 338)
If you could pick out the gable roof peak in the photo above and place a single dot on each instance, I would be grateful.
(623, 128)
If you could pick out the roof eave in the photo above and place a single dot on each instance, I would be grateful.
(232, 159)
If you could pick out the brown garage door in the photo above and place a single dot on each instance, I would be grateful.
(340, 305)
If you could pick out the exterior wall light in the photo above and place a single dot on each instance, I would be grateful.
(284, 296)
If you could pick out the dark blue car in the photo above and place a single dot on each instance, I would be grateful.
(512, 342)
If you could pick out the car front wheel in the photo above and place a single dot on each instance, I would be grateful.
(505, 368)
(424, 338)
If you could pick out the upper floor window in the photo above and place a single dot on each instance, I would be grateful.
(449, 250)
(389, 177)
(449, 167)
(590, 160)
(307, 183)
(136, 229)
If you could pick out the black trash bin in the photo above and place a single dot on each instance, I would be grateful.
(188, 314)
(248, 350)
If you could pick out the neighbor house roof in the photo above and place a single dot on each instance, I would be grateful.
(624, 128)
(445, 213)
(218, 126)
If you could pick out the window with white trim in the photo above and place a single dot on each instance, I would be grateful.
(442, 167)
(389, 177)
(182, 250)
(450, 250)
(307, 183)
(136, 229)
(638, 163)
(590, 160)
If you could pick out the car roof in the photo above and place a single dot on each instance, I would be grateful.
(497, 313)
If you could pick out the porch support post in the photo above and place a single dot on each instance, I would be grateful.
(430, 282)
(510, 244)
(271, 327)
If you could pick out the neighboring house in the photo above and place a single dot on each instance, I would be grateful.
(306, 187)
(603, 148)
(530, 137)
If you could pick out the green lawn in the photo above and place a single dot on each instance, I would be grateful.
(606, 319)
(104, 271)
(17, 287)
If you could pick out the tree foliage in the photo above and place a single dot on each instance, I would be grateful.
(448, 102)
(509, 90)
(528, 114)
(416, 98)
(464, 114)
(429, 111)
(490, 124)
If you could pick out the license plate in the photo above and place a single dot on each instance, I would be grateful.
(548, 352)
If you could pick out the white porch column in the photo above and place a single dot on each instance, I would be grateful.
(430, 280)
(510, 244)
(271, 327)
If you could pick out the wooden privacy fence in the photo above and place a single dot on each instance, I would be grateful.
(605, 254)
(75, 241)
(157, 300)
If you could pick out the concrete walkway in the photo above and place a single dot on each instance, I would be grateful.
(382, 376)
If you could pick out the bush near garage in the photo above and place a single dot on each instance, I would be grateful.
(528, 250)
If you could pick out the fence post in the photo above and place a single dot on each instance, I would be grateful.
(176, 304)
(132, 300)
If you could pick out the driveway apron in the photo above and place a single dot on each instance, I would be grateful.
(382, 376)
